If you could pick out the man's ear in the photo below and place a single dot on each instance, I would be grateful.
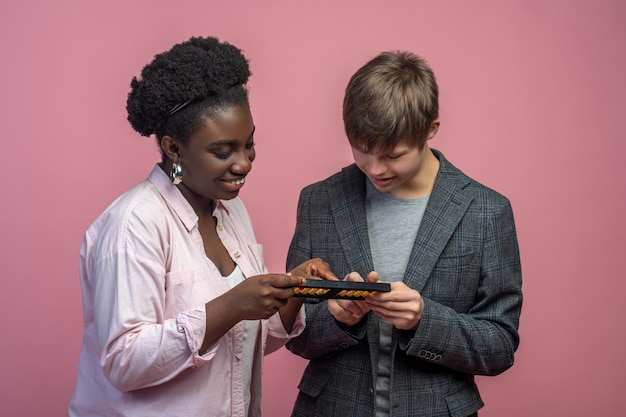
(434, 128)
(171, 148)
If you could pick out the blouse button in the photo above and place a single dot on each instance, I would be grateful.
(220, 227)
(237, 254)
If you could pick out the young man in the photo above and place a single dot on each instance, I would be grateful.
(404, 214)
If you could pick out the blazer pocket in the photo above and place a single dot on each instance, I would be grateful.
(313, 380)
(464, 402)
(457, 260)
(457, 266)
(454, 280)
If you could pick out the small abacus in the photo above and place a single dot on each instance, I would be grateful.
(348, 290)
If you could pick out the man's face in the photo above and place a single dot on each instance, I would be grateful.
(395, 172)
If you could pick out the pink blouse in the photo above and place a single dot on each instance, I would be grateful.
(145, 279)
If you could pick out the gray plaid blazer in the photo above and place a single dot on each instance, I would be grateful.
(464, 262)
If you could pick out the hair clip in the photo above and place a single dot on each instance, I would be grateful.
(177, 108)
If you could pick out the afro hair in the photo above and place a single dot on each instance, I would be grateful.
(190, 71)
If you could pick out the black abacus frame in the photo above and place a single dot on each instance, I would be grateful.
(335, 287)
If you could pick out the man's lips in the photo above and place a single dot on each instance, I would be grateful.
(381, 181)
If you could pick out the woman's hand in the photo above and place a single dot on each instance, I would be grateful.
(257, 297)
(260, 296)
(350, 312)
(314, 268)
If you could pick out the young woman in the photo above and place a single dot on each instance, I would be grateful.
(178, 306)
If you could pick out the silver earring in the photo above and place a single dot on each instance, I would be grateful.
(176, 174)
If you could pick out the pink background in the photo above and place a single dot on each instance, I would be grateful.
(532, 103)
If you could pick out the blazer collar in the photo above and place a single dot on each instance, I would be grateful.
(347, 203)
(446, 206)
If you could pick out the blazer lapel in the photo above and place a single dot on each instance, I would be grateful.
(348, 207)
(445, 209)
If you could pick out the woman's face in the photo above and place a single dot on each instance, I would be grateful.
(219, 155)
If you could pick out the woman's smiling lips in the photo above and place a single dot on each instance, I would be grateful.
(235, 184)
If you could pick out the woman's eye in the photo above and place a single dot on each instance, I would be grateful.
(222, 155)
(250, 145)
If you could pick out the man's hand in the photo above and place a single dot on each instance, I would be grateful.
(402, 306)
(350, 312)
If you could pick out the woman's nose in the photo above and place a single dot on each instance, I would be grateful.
(243, 163)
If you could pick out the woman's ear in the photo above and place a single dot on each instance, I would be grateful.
(434, 128)
(171, 148)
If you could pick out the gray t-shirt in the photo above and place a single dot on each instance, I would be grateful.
(392, 224)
